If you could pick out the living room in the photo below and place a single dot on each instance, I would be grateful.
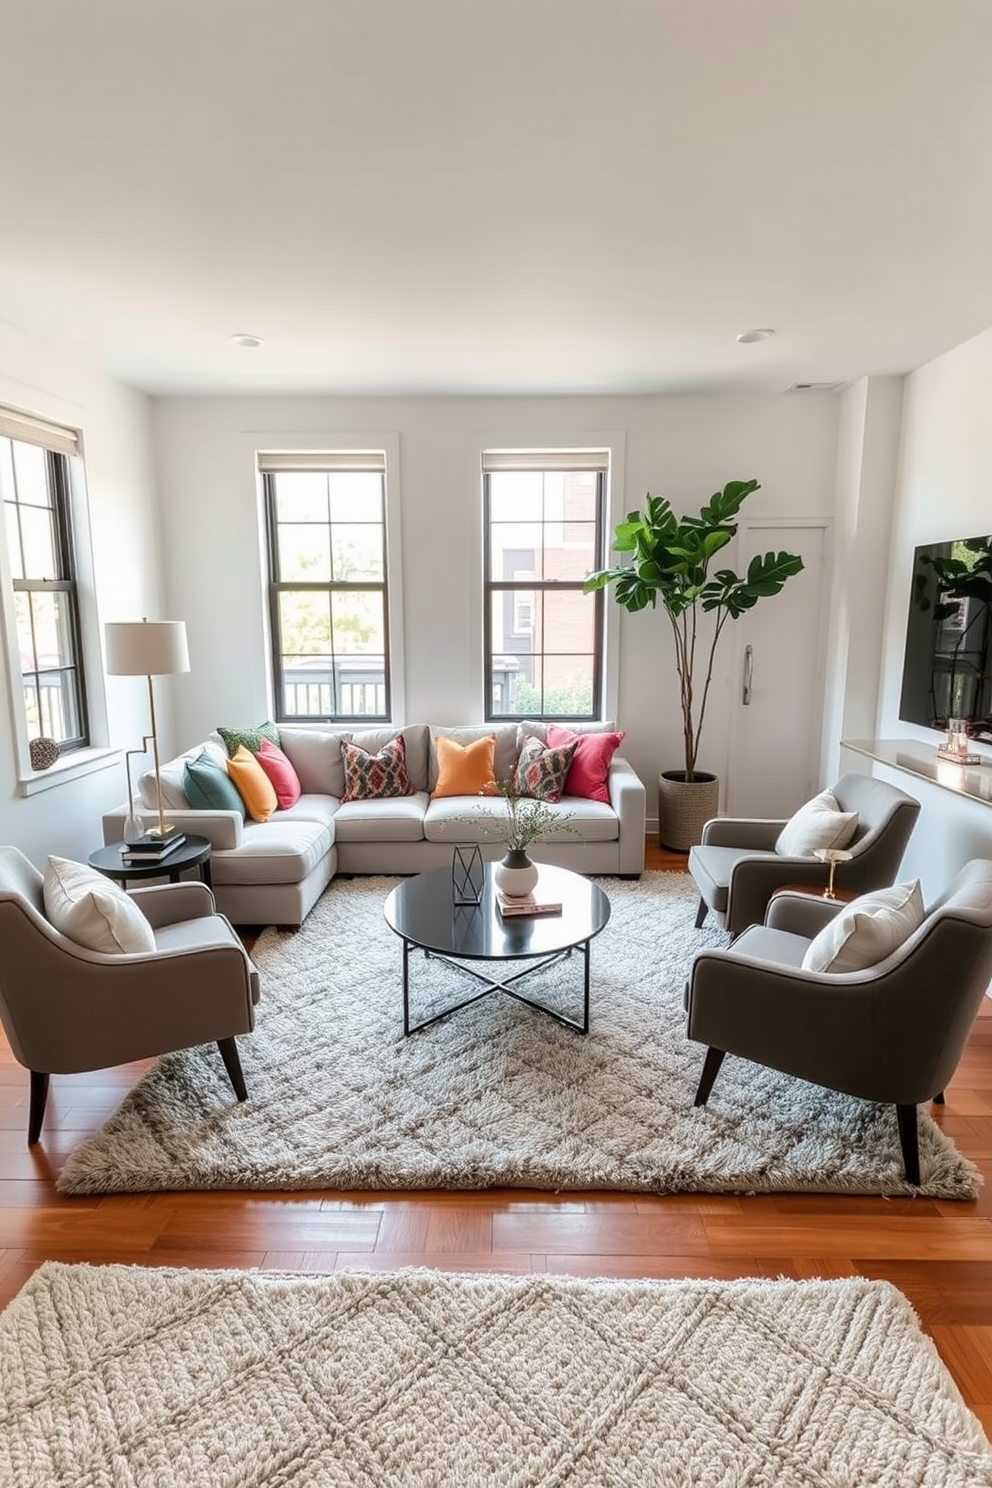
(123, 332)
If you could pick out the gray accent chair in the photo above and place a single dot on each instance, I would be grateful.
(66, 1009)
(892, 1033)
(736, 868)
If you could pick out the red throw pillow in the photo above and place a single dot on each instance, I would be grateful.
(590, 763)
(279, 769)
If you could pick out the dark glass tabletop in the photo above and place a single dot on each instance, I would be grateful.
(423, 912)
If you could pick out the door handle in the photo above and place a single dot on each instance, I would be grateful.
(748, 673)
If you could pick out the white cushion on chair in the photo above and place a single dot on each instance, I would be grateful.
(93, 911)
(820, 823)
(867, 930)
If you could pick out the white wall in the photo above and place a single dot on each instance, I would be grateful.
(126, 583)
(681, 447)
(943, 492)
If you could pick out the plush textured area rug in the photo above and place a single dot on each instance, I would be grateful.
(496, 1094)
(124, 1377)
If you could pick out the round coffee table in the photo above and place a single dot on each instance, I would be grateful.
(424, 915)
(193, 853)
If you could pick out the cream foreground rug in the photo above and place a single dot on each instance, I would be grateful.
(119, 1377)
(496, 1094)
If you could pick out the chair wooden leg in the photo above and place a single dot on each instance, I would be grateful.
(39, 1099)
(711, 1068)
(701, 913)
(232, 1063)
(910, 1143)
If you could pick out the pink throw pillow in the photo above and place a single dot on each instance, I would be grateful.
(279, 769)
(590, 763)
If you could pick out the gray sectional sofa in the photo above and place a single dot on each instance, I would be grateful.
(273, 872)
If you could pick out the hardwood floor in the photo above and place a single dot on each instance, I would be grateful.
(938, 1253)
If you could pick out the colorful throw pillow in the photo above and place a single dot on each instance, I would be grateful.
(820, 823)
(280, 771)
(542, 772)
(208, 787)
(464, 769)
(254, 786)
(375, 777)
(867, 930)
(251, 738)
(590, 767)
(92, 911)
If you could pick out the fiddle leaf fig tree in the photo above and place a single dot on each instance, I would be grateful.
(670, 564)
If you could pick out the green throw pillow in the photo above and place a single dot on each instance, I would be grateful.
(251, 738)
(208, 786)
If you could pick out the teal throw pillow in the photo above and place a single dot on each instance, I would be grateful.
(251, 738)
(209, 787)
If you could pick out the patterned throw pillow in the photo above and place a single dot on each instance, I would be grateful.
(542, 772)
(251, 738)
(373, 777)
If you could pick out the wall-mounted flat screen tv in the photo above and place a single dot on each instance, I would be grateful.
(947, 672)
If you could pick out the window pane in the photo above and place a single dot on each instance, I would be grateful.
(516, 496)
(569, 622)
(569, 550)
(57, 692)
(516, 550)
(358, 622)
(25, 636)
(301, 496)
(31, 473)
(357, 552)
(304, 624)
(304, 553)
(38, 537)
(568, 686)
(13, 540)
(356, 495)
(308, 687)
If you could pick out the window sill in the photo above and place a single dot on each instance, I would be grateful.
(81, 762)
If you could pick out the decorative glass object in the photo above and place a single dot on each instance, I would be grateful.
(133, 828)
(516, 875)
(957, 747)
(468, 875)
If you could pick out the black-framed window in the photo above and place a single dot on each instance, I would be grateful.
(544, 518)
(325, 518)
(38, 539)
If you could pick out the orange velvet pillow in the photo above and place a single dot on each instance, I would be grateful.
(464, 769)
(254, 786)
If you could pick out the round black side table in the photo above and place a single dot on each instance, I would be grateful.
(193, 853)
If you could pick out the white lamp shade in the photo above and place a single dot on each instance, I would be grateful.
(146, 648)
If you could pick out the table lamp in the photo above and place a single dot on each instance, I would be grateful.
(148, 648)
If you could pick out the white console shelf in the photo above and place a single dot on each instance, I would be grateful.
(971, 781)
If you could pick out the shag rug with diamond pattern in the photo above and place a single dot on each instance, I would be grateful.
(126, 1377)
(496, 1094)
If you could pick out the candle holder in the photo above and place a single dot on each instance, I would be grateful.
(833, 856)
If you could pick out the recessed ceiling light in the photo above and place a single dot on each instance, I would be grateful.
(243, 340)
(761, 333)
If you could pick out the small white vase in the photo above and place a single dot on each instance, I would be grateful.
(133, 828)
(516, 875)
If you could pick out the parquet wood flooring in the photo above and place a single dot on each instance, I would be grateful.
(937, 1252)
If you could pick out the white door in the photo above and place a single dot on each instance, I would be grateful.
(776, 717)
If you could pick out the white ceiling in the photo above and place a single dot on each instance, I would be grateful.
(496, 196)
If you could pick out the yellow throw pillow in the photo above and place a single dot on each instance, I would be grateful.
(464, 769)
(254, 786)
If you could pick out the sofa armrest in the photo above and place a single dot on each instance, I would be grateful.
(167, 904)
(629, 800)
(757, 832)
(223, 829)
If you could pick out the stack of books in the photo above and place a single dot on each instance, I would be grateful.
(523, 904)
(150, 848)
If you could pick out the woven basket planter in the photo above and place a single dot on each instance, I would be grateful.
(684, 806)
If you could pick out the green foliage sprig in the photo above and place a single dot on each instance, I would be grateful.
(523, 820)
